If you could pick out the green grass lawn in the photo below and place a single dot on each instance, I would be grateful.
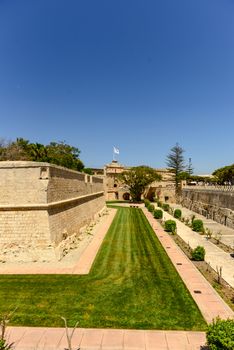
(132, 284)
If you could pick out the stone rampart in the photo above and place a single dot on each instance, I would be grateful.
(43, 208)
(214, 204)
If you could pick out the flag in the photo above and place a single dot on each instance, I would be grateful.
(116, 150)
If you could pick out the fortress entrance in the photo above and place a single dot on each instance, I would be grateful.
(126, 196)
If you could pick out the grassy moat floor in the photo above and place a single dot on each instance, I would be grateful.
(132, 284)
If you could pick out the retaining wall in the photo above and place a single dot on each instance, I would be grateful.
(216, 205)
(43, 208)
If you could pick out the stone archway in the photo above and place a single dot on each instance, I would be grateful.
(126, 196)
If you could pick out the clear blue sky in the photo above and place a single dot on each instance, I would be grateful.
(140, 75)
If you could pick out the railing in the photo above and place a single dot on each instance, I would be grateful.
(221, 188)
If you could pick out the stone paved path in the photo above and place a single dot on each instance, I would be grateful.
(104, 339)
(215, 256)
(227, 232)
(207, 299)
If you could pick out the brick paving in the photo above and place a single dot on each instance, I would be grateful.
(208, 300)
(215, 256)
(104, 339)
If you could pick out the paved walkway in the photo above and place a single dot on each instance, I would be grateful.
(104, 339)
(209, 302)
(215, 256)
(227, 232)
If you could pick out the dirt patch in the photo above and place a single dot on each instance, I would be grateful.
(223, 288)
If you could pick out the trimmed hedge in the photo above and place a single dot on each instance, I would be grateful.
(147, 203)
(197, 225)
(220, 335)
(198, 253)
(165, 207)
(158, 214)
(177, 214)
(151, 208)
(170, 226)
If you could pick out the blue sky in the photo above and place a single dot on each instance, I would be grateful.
(140, 75)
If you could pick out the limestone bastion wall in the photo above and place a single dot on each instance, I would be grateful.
(215, 205)
(43, 208)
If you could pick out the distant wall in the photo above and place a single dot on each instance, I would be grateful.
(216, 205)
(42, 206)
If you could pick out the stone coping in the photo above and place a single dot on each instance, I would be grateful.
(47, 206)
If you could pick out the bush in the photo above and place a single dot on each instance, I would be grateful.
(198, 253)
(147, 203)
(151, 208)
(158, 214)
(170, 226)
(220, 335)
(197, 225)
(165, 207)
(177, 214)
(159, 204)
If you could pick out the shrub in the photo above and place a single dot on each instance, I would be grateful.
(198, 254)
(197, 225)
(177, 214)
(158, 214)
(220, 335)
(170, 226)
(147, 203)
(165, 207)
(151, 208)
(159, 204)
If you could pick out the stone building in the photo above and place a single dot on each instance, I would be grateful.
(115, 190)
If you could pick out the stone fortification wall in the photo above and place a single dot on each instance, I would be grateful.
(43, 208)
(216, 205)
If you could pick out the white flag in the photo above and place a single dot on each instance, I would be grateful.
(116, 150)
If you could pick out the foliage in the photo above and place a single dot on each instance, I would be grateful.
(87, 171)
(158, 214)
(220, 334)
(159, 204)
(5, 346)
(190, 167)
(198, 253)
(132, 284)
(4, 320)
(137, 179)
(58, 153)
(151, 208)
(147, 203)
(170, 226)
(165, 206)
(197, 225)
(177, 214)
(225, 175)
(175, 162)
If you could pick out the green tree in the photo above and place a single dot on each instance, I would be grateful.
(175, 162)
(65, 155)
(225, 175)
(137, 179)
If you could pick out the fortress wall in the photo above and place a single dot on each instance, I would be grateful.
(216, 205)
(43, 207)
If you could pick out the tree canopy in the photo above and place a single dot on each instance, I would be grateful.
(137, 179)
(59, 153)
(175, 162)
(225, 175)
